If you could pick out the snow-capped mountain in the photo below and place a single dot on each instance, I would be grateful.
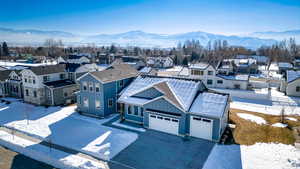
(133, 38)
(277, 35)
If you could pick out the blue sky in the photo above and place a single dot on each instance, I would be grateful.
(157, 16)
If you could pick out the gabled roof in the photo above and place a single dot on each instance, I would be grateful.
(178, 91)
(48, 69)
(292, 75)
(4, 74)
(211, 104)
(114, 73)
(200, 65)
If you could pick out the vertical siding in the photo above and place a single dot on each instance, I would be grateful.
(110, 92)
(92, 96)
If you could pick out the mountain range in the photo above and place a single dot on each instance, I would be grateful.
(142, 39)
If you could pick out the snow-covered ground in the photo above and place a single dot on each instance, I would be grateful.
(14, 64)
(253, 118)
(272, 106)
(279, 125)
(63, 126)
(42, 153)
(258, 156)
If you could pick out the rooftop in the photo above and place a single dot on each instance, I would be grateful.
(179, 91)
(200, 65)
(115, 72)
(292, 75)
(211, 104)
(59, 83)
(240, 77)
(48, 69)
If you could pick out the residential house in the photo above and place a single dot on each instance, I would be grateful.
(76, 70)
(296, 63)
(148, 71)
(291, 84)
(224, 78)
(48, 85)
(284, 66)
(99, 89)
(11, 83)
(75, 59)
(178, 106)
(160, 62)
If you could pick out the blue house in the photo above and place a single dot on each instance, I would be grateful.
(177, 106)
(99, 89)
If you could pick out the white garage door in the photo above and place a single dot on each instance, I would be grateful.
(201, 127)
(164, 124)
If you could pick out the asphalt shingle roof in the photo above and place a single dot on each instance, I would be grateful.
(48, 69)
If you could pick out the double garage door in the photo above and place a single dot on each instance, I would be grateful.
(164, 124)
(201, 127)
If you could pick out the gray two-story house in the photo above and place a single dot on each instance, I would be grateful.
(99, 89)
(48, 85)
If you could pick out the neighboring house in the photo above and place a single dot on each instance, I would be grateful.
(14, 84)
(241, 66)
(160, 62)
(223, 78)
(291, 84)
(77, 70)
(148, 71)
(296, 63)
(284, 66)
(77, 59)
(47, 85)
(11, 83)
(177, 106)
(260, 60)
(4, 74)
(205, 72)
(99, 90)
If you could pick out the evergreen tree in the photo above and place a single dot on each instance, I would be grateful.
(5, 49)
(185, 61)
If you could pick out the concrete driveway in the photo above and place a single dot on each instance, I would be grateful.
(157, 150)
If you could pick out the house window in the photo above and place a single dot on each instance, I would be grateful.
(33, 80)
(97, 104)
(29, 79)
(34, 94)
(86, 102)
(91, 87)
(27, 92)
(220, 81)
(97, 87)
(121, 83)
(136, 110)
(84, 86)
(45, 78)
(210, 72)
(62, 76)
(237, 86)
(110, 102)
(209, 82)
(197, 72)
(129, 110)
(25, 80)
(298, 89)
(66, 94)
(49, 94)
(142, 112)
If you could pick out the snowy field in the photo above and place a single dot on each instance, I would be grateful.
(258, 156)
(12, 64)
(63, 126)
(42, 153)
(272, 106)
(253, 118)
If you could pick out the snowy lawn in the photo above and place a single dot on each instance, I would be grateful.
(258, 156)
(253, 118)
(279, 125)
(42, 153)
(63, 126)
